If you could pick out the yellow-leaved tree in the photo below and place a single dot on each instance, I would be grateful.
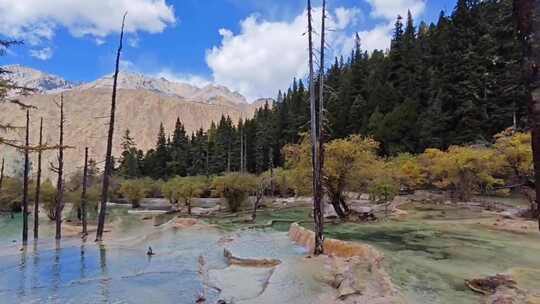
(235, 188)
(408, 171)
(516, 152)
(462, 170)
(191, 187)
(134, 190)
(349, 164)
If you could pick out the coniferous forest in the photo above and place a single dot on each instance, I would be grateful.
(456, 81)
(405, 175)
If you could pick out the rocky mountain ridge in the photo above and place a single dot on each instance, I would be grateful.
(143, 103)
(45, 83)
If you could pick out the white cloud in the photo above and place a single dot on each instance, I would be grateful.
(127, 65)
(36, 20)
(265, 55)
(346, 17)
(389, 9)
(42, 54)
(379, 37)
(133, 41)
(191, 79)
(100, 41)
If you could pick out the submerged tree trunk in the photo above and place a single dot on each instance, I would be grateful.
(2, 181)
(108, 156)
(83, 194)
(258, 199)
(315, 150)
(38, 183)
(528, 20)
(60, 182)
(25, 180)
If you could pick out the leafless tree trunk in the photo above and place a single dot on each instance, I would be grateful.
(83, 193)
(2, 175)
(315, 137)
(38, 183)
(321, 99)
(321, 83)
(242, 148)
(207, 154)
(108, 156)
(60, 181)
(258, 198)
(528, 20)
(229, 159)
(25, 180)
(245, 152)
(271, 165)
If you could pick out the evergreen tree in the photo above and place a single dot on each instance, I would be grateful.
(179, 151)
(130, 166)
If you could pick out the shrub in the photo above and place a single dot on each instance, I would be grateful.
(235, 188)
(134, 190)
(11, 194)
(184, 188)
(463, 170)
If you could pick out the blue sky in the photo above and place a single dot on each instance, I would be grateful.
(253, 46)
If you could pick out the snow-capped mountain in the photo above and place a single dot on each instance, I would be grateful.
(143, 104)
(49, 84)
(37, 80)
(135, 81)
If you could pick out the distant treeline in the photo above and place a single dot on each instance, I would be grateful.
(457, 81)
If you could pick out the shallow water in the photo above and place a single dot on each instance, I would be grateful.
(429, 254)
(74, 271)
(432, 252)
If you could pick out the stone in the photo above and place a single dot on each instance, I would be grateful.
(238, 283)
(489, 285)
(246, 262)
(329, 212)
(183, 223)
(305, 238)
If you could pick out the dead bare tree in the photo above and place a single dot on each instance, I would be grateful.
(38, 183)
(108, 156)
(60, 171)
(2, 175)
(241, 126)
(25, 180)
(83, 193)
(321, 83)
(528, 20)
(263, 184)
(315, 144)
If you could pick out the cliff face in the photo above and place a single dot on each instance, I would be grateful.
(87, 112)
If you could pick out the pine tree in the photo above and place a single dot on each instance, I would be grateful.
(179, 150)
(130, 166)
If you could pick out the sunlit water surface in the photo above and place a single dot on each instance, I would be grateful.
(74, 271)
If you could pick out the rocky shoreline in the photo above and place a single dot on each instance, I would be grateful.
(353, 270)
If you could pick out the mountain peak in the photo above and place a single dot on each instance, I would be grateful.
(49, 84)
(210, 93)
(34, 79)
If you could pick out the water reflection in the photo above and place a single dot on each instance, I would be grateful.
(35, 264)
(76, 271)
(105, 280)
(21, 291)
(83, 261)
(56, 270)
